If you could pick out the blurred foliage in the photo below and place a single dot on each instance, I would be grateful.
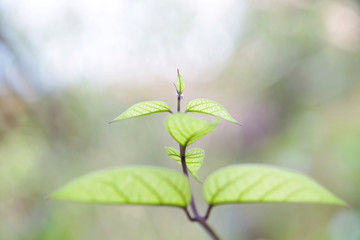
(293, 84)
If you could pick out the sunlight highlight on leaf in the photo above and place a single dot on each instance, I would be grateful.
(258, 183)
(209, 107)
(130, 185)
(186, 129)
(194, 159)
(144, 108)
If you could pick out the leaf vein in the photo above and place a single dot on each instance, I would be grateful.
(148, 186)
(227, 184)
(252, 186)
(181, 194)
(274, 189)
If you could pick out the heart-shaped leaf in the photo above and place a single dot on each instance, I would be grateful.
(194, 159)
(209, 107)
(186, 129)
(144, 108)
(130, 185)
(257, 183)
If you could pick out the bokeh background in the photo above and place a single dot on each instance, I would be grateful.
(288, 70)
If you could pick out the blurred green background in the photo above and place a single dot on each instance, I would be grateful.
(288, 70)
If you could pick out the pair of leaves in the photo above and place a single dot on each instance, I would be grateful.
(185, 129)
(194, 159)
(198, 105)
(233, 184)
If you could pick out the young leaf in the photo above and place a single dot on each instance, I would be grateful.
(180, 85)
(194, 159)
(130, 185)
(144, 108)
(209, 107)
(257, 183)
(173, 153)
(186, 129)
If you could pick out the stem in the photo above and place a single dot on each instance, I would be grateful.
(210, 231)
(178, 102)
(188, 215)
(197, 218)
(201, 220)
(207, 214)
(183, 160)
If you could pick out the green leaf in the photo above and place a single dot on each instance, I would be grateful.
(180, 85)
(194, 159)
(186, 129)
(209, 107)
(144, 108)
(130, 185)
(257, 183)
(173, 153)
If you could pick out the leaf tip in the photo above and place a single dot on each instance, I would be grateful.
(53, 196)
(238, 123)
(198, 179)
(342, 203)
(114, 120)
